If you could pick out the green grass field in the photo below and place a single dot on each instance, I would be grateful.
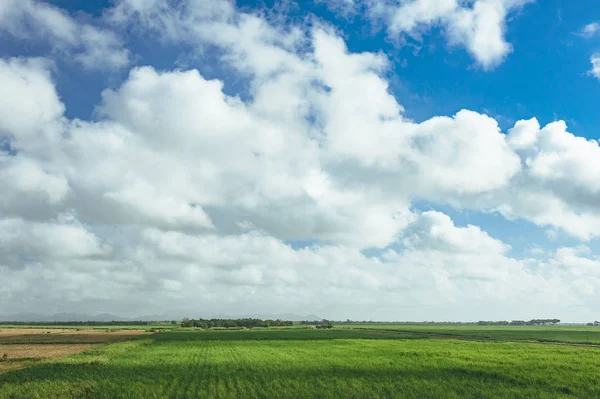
(300, 363)
(568, 334)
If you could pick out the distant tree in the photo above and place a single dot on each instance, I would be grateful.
(233, 323)
(187, 322)
(326, 324)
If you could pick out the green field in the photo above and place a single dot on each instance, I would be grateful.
(302, 363)
(568, 334)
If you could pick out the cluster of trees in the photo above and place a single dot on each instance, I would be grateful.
(533, 322)
(324, 324)
(232, 323)
(596, 323)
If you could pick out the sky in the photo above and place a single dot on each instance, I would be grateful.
(366, 159)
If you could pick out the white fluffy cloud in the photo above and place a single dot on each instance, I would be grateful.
(590, 30)
(47, 241)
(479, 26)
(21, 176)
(33, 20)
(362, 120)
(436, 231)
(269, 199)
(256, 271)
(595, 71)
(560, 173)
(29, 102)
(587, 32)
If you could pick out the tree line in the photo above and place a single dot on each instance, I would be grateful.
(232, 323)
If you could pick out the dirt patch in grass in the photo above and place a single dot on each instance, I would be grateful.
(21, 355)
(65, 336)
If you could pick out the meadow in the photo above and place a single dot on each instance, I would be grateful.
(309, 363)
(565, 334)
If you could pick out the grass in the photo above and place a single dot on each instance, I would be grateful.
(275, 334)
(566, 334)
(68, 336)
(311, 363)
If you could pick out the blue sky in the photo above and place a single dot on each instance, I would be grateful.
(301, 144)
(548, 58)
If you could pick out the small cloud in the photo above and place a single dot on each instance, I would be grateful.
(595, 60)
(590, 30)
(343, 7)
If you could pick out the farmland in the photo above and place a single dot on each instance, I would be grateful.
(64, 336)
(307, 363)
(27, 346)
(564, 334)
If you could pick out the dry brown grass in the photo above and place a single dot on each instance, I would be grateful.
(21, 355)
